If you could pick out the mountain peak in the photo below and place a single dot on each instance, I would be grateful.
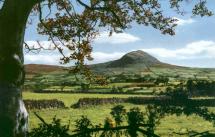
(137, 54)
(138, 57)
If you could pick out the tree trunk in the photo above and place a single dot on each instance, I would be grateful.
(13, 115)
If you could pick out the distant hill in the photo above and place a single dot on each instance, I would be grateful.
(39, 68)
(132, 62)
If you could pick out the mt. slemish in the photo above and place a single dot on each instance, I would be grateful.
(131, 62)
(134, 58)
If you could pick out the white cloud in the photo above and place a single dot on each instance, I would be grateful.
(44, 56)
(197, 54)
(100, 57)
(52, 59)
(182, 22)
(194, 50)
(116, 38)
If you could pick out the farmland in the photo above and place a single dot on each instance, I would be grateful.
(130, 86)
(168, 125)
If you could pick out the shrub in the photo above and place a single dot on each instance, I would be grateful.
(55, 129)
(135, 123)
(177, 93)
(118, 113)
(201, 87)
(84, 127)
(116, 89)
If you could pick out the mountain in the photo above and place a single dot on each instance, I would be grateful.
(138, 57)
(132, 62)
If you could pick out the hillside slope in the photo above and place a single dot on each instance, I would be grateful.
(132, 62)
(134, 58)
(41, 69)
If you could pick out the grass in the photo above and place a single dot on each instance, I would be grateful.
(69, 99)
(97, 114)
(168, 125)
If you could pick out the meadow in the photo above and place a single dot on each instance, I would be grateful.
(154, 83)
(168, 126)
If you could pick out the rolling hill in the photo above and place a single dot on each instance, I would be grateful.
(40, 69)
(129, 62)
(132, 62)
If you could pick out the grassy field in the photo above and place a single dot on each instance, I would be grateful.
(120, 85)
(168, 125)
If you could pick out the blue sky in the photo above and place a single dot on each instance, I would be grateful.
(193, 45)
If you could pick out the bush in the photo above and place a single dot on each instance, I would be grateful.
(55, 129)
(116, 89)
(135, 123)
(201, 87)
(84, 127)
(177, 93)
(162, 79)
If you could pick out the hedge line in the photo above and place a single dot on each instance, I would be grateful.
(43, 104)
(91, 92)
(84, 102)
(164, 100)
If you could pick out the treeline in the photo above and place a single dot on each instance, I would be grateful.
(201, 87)
(139, 79)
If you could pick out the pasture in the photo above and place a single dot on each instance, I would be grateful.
(158, 82)
(168, 126)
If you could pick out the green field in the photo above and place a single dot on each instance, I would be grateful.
(131, 81)
(168, 125)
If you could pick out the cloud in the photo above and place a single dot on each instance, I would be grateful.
(116, 38)
(182, 22)
(44, 56)
(52, 59)
(195, 50)
(196, 54)
(100, 57)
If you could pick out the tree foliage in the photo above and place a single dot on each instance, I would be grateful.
(73, 25)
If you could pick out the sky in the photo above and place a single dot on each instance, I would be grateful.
(192, 46)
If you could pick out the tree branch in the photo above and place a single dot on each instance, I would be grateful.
(108, 9)
(117, 129)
